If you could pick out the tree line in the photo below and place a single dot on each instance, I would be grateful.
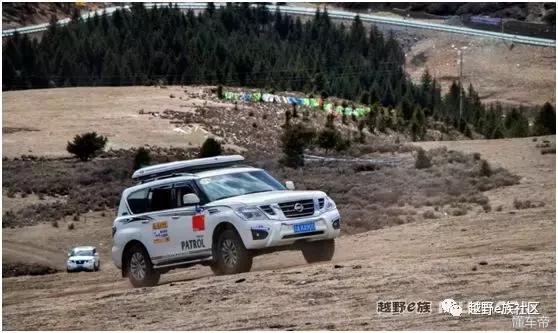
(243, 45)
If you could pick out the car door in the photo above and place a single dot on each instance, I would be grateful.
(193, 243)
(158, 230)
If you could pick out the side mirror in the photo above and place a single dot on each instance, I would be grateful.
(190, 199)
(69, 254)
(289, 185)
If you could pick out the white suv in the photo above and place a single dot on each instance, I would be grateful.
(83, 258)
(216, 212)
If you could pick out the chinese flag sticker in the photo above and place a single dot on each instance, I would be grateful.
(198, 222)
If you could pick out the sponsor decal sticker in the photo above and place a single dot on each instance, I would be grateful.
(192, 244)
(160, 225)
(198, 222)
(160, 232)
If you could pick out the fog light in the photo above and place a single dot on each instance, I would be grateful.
(258, 234)
(336, 224)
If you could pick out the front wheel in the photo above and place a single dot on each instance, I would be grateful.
(318, 251)
(140, 268)
(229, 255)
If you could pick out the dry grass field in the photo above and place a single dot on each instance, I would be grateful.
(41, 122)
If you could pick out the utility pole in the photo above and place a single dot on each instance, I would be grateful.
(460, 88)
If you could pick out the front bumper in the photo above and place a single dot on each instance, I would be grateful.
(272, 233)
(80, 267)
(117, 255)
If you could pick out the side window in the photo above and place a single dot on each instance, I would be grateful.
(139, 202)
(181, 189)
(151, 200)
(161, 198)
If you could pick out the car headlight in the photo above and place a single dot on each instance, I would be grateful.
(328, 205)
(250, 213)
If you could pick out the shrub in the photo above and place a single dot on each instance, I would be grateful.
(142, 158)
(526, 204)
(459, 211)
(328, 138)
(422, 161)
(343, 144)
(294, 113)
(71, 226)
(485, 170)
(288, 116)
(293, 140)
(548, 151)
(366, 167)
(210, 147)
(545, 121)
(86, 146)
(54, 224)
(9, 219)
(220, 92)
(429, 214)
(19, 269)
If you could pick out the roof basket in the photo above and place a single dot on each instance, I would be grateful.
(166, 170)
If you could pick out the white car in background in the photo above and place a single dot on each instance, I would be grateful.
(217, 212)
(83, 258)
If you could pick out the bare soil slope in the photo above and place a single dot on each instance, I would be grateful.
(502, 255)
(41, 122)
(499, 71)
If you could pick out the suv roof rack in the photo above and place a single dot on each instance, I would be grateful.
(166, 170)
(148, 179)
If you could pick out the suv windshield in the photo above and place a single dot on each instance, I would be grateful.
(235, 184)
(76, 253)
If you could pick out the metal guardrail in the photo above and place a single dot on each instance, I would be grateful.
(334, 14)
(373, 161)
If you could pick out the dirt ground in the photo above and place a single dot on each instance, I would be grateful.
(498, 256)
(41, 122)
(500, 71)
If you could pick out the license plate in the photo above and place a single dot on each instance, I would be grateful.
(304, 227)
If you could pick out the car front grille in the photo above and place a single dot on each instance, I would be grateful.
(290, 211)
(79, 262)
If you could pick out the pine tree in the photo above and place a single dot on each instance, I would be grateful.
(418, 125)
(516, 124)
(545, 121)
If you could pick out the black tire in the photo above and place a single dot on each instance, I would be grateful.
(140, 269)
(318, 251)
(98, 266)
(229, 254)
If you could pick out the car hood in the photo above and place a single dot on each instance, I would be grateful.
(81, 258)
(271, 197)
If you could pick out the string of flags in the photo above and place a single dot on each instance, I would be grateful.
(359, 111)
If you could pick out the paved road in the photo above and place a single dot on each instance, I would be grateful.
(335, 14)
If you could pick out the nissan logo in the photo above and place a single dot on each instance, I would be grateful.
(298, 207)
